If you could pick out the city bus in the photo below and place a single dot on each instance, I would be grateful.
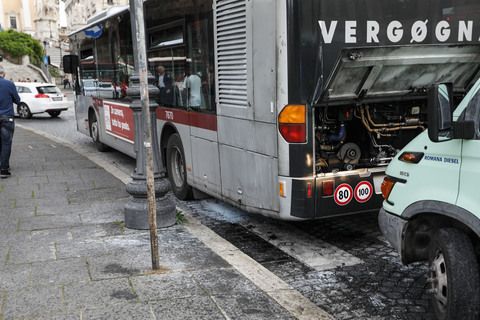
(287, 108)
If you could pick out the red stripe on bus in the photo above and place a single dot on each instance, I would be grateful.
(195, 119)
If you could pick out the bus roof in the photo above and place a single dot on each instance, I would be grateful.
(102, 16)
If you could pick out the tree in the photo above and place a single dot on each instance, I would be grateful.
(19, 44)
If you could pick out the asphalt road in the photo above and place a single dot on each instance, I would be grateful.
(342, 264)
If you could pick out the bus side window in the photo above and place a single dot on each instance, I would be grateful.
(181, 57)
(200, 70)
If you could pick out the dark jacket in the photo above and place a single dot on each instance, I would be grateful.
(8, 96)
(166, 93)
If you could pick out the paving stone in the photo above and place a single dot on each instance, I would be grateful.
(14, 277)
(60, 272)
(122, 311)
(50, 222)
(4, 249)
(18, 213)
(67, 180)
(191, 308)
(80, 196)
(69, 209)
(58, 316)
(120, 264)
(8, 224)
(223, 282)
(98, 230)
(27, 252)
(32, 180)
(93, 217)
(254, 305)
(98, 293)
(165, 286)
(83, 248)
(51, 235)
(11, 236)
(31, 302)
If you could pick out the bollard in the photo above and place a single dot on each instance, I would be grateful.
(136, 211)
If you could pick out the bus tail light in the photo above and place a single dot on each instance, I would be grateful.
(281, 189)
(387, 186)
(292, 123)
(327, 188)
(309, 190)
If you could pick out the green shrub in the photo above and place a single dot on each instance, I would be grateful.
(54, 72)
(18, 44)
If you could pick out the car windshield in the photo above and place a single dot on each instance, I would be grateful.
(48, 89)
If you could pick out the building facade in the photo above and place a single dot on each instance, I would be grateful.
(18, 15)
(80, 11)
(39, 18)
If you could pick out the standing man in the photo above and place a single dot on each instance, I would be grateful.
(164, 83)
(8, 96)
(193, 84)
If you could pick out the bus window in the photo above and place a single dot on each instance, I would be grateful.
(106, 62)
(181, 56)
(166, 60)
(200, 72)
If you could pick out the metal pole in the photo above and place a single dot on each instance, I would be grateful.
(61, 57)
(141, 65)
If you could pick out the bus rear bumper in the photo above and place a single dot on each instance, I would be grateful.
(331, 195)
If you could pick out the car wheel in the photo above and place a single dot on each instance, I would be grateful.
(454, 276)
(177, 173)
(54, 114)
(24, 111)
(95, 134)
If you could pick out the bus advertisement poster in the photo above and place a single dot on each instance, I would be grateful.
(119, 121)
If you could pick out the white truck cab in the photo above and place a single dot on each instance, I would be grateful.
(431, 209)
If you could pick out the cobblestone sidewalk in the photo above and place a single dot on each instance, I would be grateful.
(65, 254)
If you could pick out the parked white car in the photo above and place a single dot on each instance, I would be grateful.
(40, 97)
(99, 89)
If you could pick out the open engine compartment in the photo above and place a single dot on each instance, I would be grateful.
(365, 136)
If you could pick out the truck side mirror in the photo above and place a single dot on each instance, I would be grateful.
(440, 106)
(70, 63)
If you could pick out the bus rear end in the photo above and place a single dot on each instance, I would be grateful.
(353, 92)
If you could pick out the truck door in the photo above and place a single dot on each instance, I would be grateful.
(470, 168)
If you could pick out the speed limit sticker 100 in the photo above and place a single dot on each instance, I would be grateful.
(363, 192)
(343, 194)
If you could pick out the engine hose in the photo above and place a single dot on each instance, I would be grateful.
(387, 128)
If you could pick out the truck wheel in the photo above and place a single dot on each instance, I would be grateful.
(95, 134)
(454, 276)
(177, 173)
(24, 111)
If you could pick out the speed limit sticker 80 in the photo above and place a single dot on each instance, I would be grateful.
(343, 194)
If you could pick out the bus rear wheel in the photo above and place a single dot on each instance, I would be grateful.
(454, 276)
(95, 134)
(177, 173)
